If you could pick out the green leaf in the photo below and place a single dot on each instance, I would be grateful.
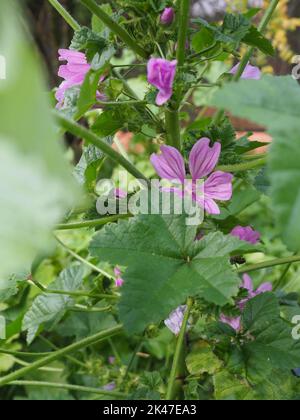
(165, 266)
(272, 345)
(202, 360)
(107, 124)
(202, 40)
(232, 388)
(36, 185)
(88, 41)
(52, 307)
(254, 38)
(86, 171)
(87, 96)
(260, 311)
(258, 101)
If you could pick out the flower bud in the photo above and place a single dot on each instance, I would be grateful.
(167, 16)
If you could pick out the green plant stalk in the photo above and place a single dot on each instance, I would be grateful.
(92, 223)
(115, 27)
(65, 14)
(76, 293)
(23, 354)
(103, 335)
(173, 128)
(183, 30)
(243, 64)
(171, 390)
(68, 387)
(120, 103)
(245, 166)
(267, 264)
(84, 261)
(67, 357)
(82, 132)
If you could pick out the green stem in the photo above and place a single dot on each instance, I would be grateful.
(119, 103)
(115, 27)
(73, 293)
(68, 387)
(23, 354)
(65, 14)
(80, 308)
(178, 353)
(84, 261)
(246, 166)
(183, 30)
(103, 335)
(92, 223)
(68, 357)
(82, 132)
(173, 128)
(267, 264)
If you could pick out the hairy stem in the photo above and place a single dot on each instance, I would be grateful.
(92, 223)
(245, 166)
(115, 27)
(82, 132)
(178, 353)
(267, 264)
(68, 387)
(183, 30)
(103, 335)
(173, 128)
(65, 14)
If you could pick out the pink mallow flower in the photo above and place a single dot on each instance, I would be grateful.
(250, 72)
(174, 322)
(119, 193)
(161, 74)
(246, 234)
(73, 73)
(234, 323)
(118, 273)
(203, 159)
(248, 285)
(167, 16)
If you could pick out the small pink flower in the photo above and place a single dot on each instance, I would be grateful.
(111, 360)
(250, 72)
(118, 273)
(246, 234)
(161, 74)
(234, 323)
(202, 161)
(119, 193)
(109, 387)
(73, 73)
(167, 16)
(174, 322)
(248, 285)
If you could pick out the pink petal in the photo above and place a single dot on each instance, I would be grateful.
(169, 164)
(246, 234)
(247, 283)
(265, 287)
(218, 186)
(250, 72)
(163, 97)
(203, 158)
(234, 323)
(73, 57)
